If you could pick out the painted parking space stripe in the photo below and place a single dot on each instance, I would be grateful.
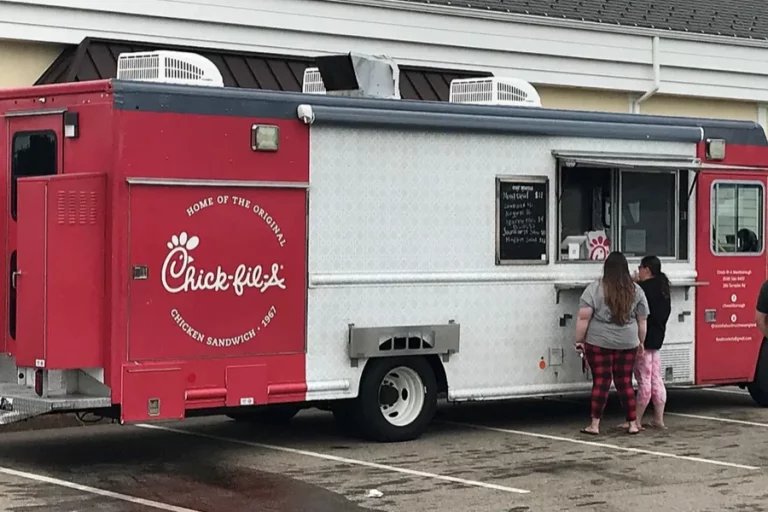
(715, 418)
(698, 416)
(602, 445)
(344, 460)
(93, 490)
(727, 391)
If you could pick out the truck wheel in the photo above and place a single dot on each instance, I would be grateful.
(279, 414)
(397, 399)
(758, 388)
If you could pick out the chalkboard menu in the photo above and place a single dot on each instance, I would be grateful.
(522, 205)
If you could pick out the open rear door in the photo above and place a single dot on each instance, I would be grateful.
(35, 149)
(731, 257)
(61, 268)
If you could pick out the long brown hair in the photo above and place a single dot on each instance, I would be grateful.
(618, 288)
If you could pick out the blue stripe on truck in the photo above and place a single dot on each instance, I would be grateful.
(229, 101)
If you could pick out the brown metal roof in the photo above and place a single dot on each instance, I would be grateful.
(95, 59)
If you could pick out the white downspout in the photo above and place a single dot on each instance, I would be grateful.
(656, 76)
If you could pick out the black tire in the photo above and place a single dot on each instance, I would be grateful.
(279, 414)
(370, 419)
(758, 388)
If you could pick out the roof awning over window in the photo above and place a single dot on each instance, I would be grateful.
(626, 160)
(642, 161)
(95, 59)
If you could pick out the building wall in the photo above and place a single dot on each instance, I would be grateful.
(560, 53)
(583, 99)
(665, 105)
(700, 107)
(22, 63)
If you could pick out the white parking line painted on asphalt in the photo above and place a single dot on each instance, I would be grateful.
(696, 416)
(344, 460)
(94, 490)
(602, 445)
(727, 391)
(715, 418)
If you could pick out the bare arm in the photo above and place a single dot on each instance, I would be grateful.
(761, 319)
(642, 311)
(582, 322)
(642, 329)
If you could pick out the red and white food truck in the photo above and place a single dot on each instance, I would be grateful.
(175, 247)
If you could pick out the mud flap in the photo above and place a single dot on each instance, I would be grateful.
(246, 385)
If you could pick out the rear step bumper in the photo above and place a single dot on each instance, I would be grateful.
(19, 403)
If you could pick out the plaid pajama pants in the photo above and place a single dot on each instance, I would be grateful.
(610, 365)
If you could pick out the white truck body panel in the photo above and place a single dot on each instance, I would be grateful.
(402, 232)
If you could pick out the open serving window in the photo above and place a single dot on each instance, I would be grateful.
(637, 204)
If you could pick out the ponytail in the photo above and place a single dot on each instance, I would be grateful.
(665, 286)
(653, 264)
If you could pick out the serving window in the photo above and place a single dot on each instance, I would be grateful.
(605, 206)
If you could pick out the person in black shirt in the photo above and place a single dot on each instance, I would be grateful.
(648, 366)
(758, 388)
(761, 313)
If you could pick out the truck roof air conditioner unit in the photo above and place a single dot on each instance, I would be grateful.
(313, 82)
(494, 91)
(358, 75)
(168, 67)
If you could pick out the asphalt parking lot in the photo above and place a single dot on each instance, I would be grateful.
(511, 457)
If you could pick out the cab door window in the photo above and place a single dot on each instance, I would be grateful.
(738, 217)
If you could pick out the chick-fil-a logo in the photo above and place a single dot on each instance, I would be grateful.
(179, 275)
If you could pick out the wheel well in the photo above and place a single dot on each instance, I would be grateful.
(437, 367)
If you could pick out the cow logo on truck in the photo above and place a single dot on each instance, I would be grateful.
(183, 274)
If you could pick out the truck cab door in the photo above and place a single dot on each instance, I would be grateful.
(34, 149)
(731, 257)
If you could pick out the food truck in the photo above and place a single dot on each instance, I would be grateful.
(175, 247)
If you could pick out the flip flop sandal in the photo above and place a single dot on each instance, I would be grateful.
(589, 432)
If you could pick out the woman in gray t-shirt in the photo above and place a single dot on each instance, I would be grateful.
(610, 331)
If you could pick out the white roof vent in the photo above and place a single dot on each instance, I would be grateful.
(313, 82)
(494, 91)
(168, 67)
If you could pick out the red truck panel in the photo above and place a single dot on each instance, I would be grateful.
(152, 394)
(728, 346)
(61, 257)
(225, 271)
(178, 149)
